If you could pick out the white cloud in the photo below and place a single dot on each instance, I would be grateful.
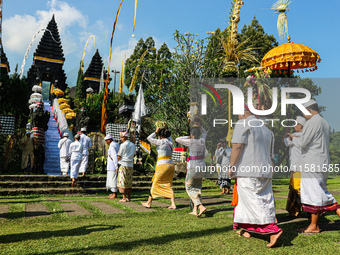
(19, 30)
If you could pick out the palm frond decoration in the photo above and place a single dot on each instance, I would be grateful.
(281, 7)
(234, 54)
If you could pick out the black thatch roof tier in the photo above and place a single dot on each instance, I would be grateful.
(50, 47)
(4, 62)
(95, 68)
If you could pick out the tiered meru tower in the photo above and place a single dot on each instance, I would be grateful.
(48, 59)
(4, 63)
(93, 73)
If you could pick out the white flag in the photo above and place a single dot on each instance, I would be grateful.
(140, 109)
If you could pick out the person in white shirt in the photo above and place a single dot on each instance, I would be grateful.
(250, 162)
(126, 155)
(293, 201)
(76, 152)
(314, 144)
(112, 166)
(86, 142)
(64, 145)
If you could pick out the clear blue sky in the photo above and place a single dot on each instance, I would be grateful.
(313, 23)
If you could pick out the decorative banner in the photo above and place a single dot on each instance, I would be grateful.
(94, 45)
(145, 146)
(104, 110)
(101, 84)
(134, 20)
(29, 47)
(134, 78)
(121, 82)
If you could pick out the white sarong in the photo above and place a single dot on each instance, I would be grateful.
(256, 201)
(111, 181)
(84, 162)
(64, 166)
(75, 168)
(314, 189)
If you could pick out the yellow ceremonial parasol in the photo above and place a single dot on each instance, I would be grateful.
(62, 100)
(70, 115)
(67, 110)
(64, 106)
(290, 56)
(58, 92)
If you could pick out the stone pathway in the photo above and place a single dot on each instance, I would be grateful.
(138, 207)
(3, 211)
(73, 209)
(206, 201)
(106, 208)
(36, 210)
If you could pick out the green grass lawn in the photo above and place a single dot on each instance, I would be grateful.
(159, 232)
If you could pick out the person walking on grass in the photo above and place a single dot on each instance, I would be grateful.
(250, 161)
(164, 173)
(76, 152)
(112, 166)
(193, 179)
(125, 154)
(314, 144)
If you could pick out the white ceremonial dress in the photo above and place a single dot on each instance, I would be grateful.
(254, 177)
(86, 142)
(314, 144)
(112, 165)
(76, 152)
(64, 145)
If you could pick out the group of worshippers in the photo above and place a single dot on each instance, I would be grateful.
(252, 148)
(120, 160)
(74, 155)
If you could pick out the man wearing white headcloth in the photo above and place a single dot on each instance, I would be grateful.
(86, 142)
(64, 145)
(76, 153)
(112, 166)
(251, 162)
(314, 144)
(125, 154)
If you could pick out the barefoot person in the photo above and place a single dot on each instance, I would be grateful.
(86, 142)
(252, 150)
(314, 144)
(293, 201)
(64, 146)
(112, 166)
(76, 152)
(125, 154)
(164, 173)
(193, 180)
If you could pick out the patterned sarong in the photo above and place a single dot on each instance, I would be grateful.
(125, 175)
(162, 181)
(319, 209)
(193, 187)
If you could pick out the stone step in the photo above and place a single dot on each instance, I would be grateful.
(73, 209)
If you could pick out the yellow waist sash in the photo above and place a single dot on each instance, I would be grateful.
(163, 158)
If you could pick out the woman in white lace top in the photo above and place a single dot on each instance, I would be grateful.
(196, 165)
(164, 173)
